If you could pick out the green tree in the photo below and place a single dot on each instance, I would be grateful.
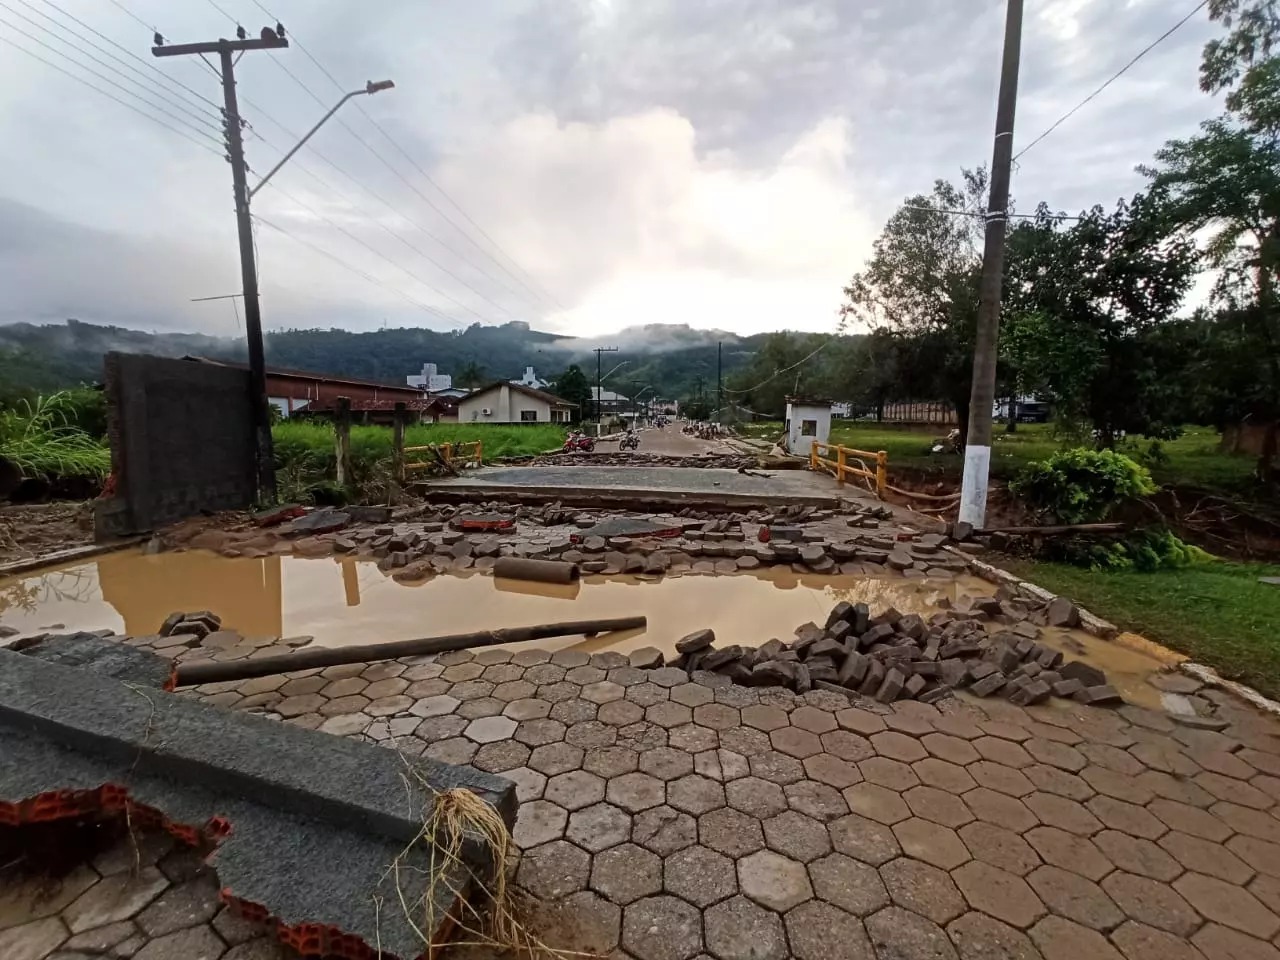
(1082, 300)
(572, 385)
(471, 375)
(785, 364)
(920, 288)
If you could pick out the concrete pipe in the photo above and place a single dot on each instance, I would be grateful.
(543, 571)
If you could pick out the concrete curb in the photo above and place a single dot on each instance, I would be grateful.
(15, 567)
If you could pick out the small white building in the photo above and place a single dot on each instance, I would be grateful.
(531, 379)
(807, 420)
(431, 379)
(504, 402)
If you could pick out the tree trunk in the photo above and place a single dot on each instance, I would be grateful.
(1012, 425)
(1266, 462)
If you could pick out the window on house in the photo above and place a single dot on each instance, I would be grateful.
(808, 428)
(528, 416)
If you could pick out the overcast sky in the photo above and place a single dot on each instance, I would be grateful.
(583, 165)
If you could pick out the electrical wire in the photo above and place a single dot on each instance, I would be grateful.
(982, 216)
(777, 373)
(354, 269)
(185, 119)
(123, 9)
(1121, 72)
(186, 136)
(546, 297)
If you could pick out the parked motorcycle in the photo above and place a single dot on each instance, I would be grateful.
(630, 441)
(579, 443)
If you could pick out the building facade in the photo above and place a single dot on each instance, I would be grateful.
(504, 402)
(431, 379)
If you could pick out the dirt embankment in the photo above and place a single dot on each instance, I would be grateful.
(31, 530)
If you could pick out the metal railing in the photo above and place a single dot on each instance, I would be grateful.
(841, 469)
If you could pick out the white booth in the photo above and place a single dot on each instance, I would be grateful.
(807, 420)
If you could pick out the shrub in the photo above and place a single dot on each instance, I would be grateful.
(1145, 551)
(1081, 485)
(42, 440)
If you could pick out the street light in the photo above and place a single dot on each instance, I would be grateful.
(369, 88)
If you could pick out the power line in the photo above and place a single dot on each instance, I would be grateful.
(777, 373)
(186, 136)
(546, 297)
(120, 6)
(1070, 113)
(354, 269)
(185, 119)
(975, 213)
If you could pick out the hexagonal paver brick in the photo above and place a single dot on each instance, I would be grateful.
(860, 721)
(599, 827)
(610, 762)
(820, 931)
(1001, 779)
(747, 741)
(489, 729)
(1072, 896)
(572, 712)
(1126, 817)
(1000, 809)
(776, 767)
(847, 746)
(759, 798)
(666, 763)
(619, 713)
(440, 728)
(691, 694)
(951, 749)
(717, 716)
(575, 789)
(661, 928)
(695, 794)
(1151, 902)
(626, 873)
(514, 690)
(816, 800)
(898, 746)
(730, 832)
(434, 706)
(1054, 780)
(849, 884)
(636, 791)
(544, 673)
(527, 708)
(463, 671)
(554, 870)
(831, 770)
(197, 943)
(893, 774)
(1252, 823)
(664, 830)
(501, 756)
(554, 692)
(721, 765)
(739, 928)
(1065, 850)
(999, 847)
(500, 673)
(1137, 855)
(346, 725)
(906, 719)
(591, 733)
(604, 691)
(693, 738)
(999, 894)
(556, 758)
(813, 719)
(864, 840)
(390, 687)
(1209, 858)
(647, 694)
(895, 932)
(795, 742)
(1229, 905)
(114, 898)
(1069, 815)
(944, 775)
(34, 940)
(977, 935)
(539, 822)
(668, 714)
(699, 875)
(1059, 939)
(928, 841)
(941, 807)
(1215, 940)
(764, 717)
(457, 750)
(774, 881)
(797, 836)
(340, 688)
(922, 888)
(877, 803)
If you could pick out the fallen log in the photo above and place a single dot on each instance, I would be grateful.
(543, 571)
(192, 674)
(1054, 530)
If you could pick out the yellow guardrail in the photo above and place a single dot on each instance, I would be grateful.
(840, 467)
(470, 453)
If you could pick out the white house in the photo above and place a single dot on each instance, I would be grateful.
(531, 379)
(431, 379)
(606, 401)
(504, 402)
(807, 420)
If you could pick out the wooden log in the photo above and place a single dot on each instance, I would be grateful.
(542, 571)
(191, 674)
(1055, 530)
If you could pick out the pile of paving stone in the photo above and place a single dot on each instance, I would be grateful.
(715, 461)
(893, 656)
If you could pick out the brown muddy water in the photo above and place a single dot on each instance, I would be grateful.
(339, 602)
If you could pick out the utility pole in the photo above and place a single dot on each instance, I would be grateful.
(977, 450)
(600, 351)
(269, 40)
(720, 379)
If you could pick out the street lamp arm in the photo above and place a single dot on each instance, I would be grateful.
(369, 88)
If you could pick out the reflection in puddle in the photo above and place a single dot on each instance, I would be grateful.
(1126, 669)
(348, 602)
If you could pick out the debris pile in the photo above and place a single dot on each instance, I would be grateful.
(713, 461)
(892, 656)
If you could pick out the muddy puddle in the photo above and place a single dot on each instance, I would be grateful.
(349, 602)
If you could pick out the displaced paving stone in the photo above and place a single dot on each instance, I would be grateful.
(662, 928)
(114, 898)
(923, 889)
(626, 873)
(849, 884)
(739, 928)
(898, 933)
(773, 880)
(664, 830)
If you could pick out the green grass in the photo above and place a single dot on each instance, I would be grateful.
(42, 440)
(1217, 613)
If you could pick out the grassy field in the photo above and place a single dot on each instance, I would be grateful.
(1216, 613)
(1193, 459)
(306, 458)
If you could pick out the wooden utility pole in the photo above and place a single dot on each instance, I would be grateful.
(269, 40)
(720, 380)
(977, 451)
(600, 351)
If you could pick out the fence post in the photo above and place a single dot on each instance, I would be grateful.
(397, 452)
(882, 473)
(840, 466)
(813, 456)
(342, 439)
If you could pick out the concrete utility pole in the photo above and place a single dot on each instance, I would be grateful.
(600, 351)
(977, 451)
(269, 40)
(720, 379)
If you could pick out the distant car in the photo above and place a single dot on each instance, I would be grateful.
(1033, 412)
